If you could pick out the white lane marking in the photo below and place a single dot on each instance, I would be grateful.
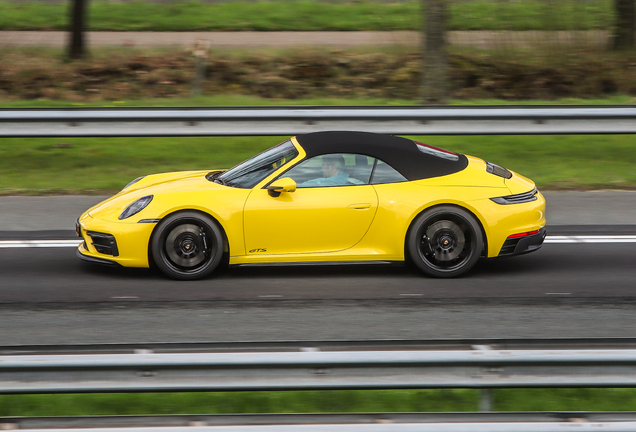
(271, 296)
(558, 293)
(412, 295)
(38, 243)
(4, 244)
(125, 297)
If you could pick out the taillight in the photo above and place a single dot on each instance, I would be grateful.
(524, 234)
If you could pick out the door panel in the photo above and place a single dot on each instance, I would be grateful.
(308, 220)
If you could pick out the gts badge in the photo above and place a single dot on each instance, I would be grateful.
(258, 250)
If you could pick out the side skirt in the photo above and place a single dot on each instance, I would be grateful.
(318, 263)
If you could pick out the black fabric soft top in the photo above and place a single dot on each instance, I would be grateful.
(401, 153)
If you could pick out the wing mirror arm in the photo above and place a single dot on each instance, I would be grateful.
(285, 184)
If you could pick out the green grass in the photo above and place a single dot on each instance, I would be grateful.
(350, 401)
(306, 15)
(242, 100)
(103, 165)
(222, 100)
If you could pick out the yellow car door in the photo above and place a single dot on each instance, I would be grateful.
(308, 220)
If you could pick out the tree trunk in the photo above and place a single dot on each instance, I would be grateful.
(625, 25)
(76, 49)
(435, 62)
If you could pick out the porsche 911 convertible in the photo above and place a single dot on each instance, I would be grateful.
(322, 197)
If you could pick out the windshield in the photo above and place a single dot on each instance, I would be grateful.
(249, 173)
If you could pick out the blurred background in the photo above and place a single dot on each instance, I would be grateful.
(119, 53)
(312, 52)
(501, 49)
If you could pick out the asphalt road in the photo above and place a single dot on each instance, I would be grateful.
(563, 290)
(581, 271)
(47, 295)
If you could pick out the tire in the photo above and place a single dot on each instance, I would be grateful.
(445, 241)
(187, 246)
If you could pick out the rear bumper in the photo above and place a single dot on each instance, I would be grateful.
(523, 245)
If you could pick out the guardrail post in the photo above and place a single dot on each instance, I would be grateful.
(200, 56)
(485, 400)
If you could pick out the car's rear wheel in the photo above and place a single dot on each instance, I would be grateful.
(187, 246)
(445, 241)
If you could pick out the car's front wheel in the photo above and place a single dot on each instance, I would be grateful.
(445, 241)
(187, 246)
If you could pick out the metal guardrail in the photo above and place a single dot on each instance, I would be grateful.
(327, 345)
(285, 121)
(375, 422)
(295, 365)
(310, 368)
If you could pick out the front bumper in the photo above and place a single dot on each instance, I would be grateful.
(523, 245)
(80, 254)
(114, 243)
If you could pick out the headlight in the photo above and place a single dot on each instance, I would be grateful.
(133, 182)
(136, 207)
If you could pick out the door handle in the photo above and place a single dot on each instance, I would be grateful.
(360, 206)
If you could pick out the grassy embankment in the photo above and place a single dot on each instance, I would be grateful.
(313, 15)
(37, 77)
(104, 165)
(317, 401)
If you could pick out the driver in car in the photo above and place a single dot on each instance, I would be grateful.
(332, 172)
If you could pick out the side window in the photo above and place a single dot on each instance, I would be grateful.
(359, 168)
(385, 173)
(332, 170)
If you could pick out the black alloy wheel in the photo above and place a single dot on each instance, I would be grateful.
(187, 246)
(445, 241)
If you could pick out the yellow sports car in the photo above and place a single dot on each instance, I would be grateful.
(321, 197)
